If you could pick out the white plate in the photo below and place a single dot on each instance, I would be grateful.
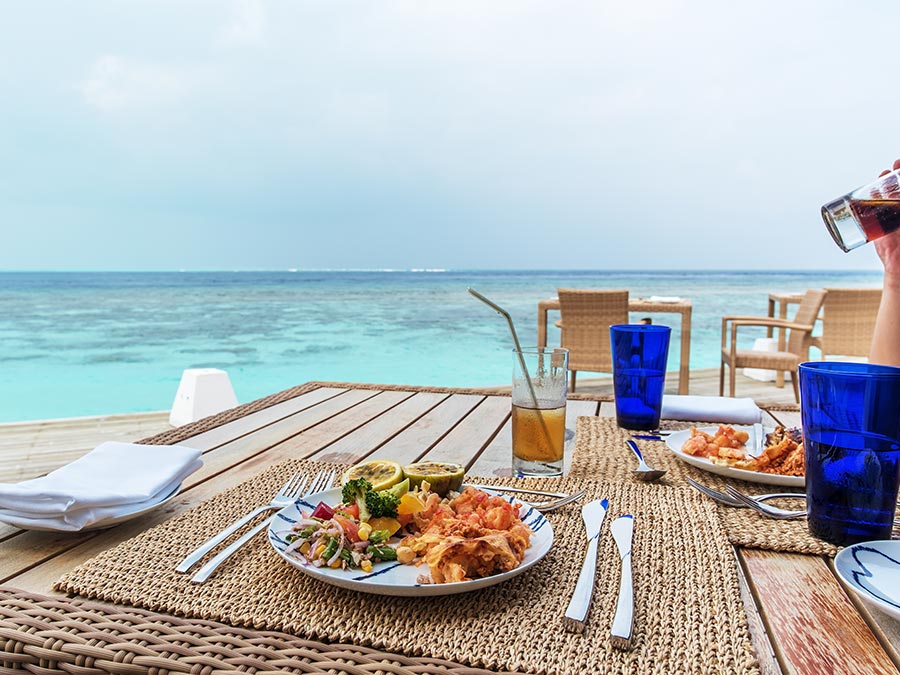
(392, 578)
(677, 439)
(109, 522)
(872, 571)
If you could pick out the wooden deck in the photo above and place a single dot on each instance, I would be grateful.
(31, 449)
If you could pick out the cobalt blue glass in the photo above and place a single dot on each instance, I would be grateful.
(851, 434)
(639, 355)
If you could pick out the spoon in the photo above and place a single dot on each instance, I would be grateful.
(643, 472)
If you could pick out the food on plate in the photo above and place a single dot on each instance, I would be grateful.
(782, 455)
(467, 536)
(460, 536)
(727, 442)
(381, 473)
(441, 476)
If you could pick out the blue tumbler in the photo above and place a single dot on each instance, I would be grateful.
(639, 354)
(851, 435)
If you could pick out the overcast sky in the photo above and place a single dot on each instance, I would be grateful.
(663, 134)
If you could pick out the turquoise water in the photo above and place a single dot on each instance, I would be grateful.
(74, 343)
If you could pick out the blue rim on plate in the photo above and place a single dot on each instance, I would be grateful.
(392, 578)
(871, 570)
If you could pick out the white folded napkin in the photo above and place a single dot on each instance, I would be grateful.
(710, 409)
(112, 480)
(664, 298)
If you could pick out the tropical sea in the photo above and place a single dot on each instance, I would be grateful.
(92, 343)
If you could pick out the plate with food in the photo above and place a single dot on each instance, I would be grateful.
(724, 450)
(427, 534)
(872, 571)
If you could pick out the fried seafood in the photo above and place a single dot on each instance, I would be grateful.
(456, 559)
(472, 535)
(727, 442)
(783, 454)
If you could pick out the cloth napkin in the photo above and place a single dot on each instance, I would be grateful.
(112, 480)
(710, 409)
(664, 298)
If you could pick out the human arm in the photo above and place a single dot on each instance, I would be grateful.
(886, 338)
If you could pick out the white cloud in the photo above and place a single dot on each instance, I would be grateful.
(247, 26)
(114, 83)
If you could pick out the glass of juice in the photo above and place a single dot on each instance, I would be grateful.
(539, 411)
(639, 354)
(851, 442)
(867, 213)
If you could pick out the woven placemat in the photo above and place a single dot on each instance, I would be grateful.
(682, 626)
(601, 454)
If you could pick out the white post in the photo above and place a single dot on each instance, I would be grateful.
(201, 393)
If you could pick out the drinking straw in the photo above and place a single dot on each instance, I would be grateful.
(512, 329)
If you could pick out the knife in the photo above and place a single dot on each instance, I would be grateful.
(576, 613)
(620, 637)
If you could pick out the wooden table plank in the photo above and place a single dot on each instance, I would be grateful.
(312, 440)
(229, 431)
(886, 628)
(814, 626)
(363, 441)
(413, 442)
(466, 440)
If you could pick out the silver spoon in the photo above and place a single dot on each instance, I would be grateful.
(643, 472)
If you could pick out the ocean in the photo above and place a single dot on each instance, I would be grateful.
(92, 343)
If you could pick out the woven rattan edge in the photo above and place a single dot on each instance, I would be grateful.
(49, 634)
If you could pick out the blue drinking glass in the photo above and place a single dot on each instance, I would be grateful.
(639, 354)
(851, 434)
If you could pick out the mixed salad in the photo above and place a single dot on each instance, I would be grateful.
(355, 533)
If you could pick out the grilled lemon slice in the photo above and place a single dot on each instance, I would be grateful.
(381, 473)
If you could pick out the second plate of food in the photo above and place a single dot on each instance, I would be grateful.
(677, 439)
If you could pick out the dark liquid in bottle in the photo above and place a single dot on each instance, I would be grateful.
(877, 217)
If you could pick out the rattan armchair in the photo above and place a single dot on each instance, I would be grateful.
(585, 318)
(798, 343)
(848, 321)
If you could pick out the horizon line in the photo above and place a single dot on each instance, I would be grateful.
(436, 270)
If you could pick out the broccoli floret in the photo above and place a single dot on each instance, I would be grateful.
(382, 504)
(353, 489)
(356, 491)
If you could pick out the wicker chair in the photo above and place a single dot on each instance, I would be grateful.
(585, 318)
(798, 343)
(848, 321)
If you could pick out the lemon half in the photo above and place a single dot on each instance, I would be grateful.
(381, 473)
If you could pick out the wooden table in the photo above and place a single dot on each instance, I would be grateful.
(682, 307)
(801, 619)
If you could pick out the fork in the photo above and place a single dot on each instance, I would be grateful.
(559, 500)
(547, 507)
(282, 498)
(765, 509)
(728, 500)
(321, 482)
